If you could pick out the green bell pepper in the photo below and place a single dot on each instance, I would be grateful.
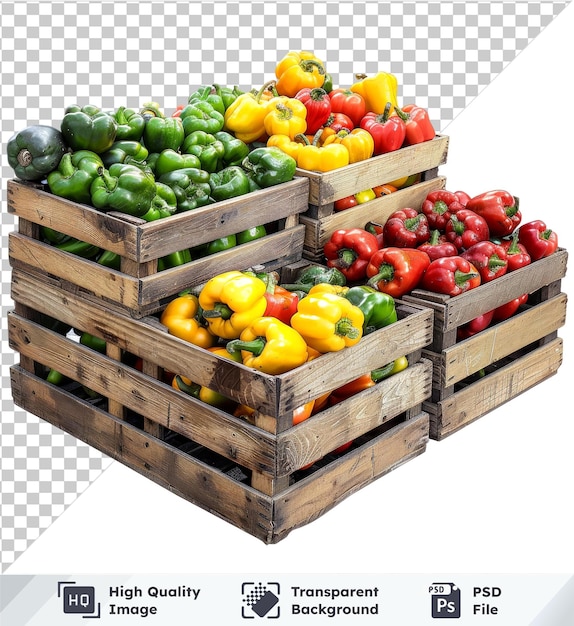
(163, 132)
(314, 275)
(35, 151)
(95, 343)
(200, 115)
(170, 160)
(235, 150)
(75, 175)
(124, 188)
(164, 203)
(79, 248)
(378, 307)
(213, 247)
(270, 166)
(109, 259)
(209, 150)
(210, 95)
(130, 123)
(175, 259)
(251, 234)
(88, 128)
(229, 182)
(125, 151)
(227, 94)
(51, 236)
(191, 187)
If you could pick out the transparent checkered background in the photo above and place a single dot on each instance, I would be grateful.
(54, 54)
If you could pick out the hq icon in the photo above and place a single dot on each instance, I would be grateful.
(445, 600)
(78, 599)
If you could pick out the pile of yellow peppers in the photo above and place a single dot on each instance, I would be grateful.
(276, 115)
(229, 316)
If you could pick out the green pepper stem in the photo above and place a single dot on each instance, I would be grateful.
(345, 328)
(190, 390)
(345, 258)
(382, 372)
(256, 346)
(219, 310)
(386, 274)
(461, 278)
(307, 65)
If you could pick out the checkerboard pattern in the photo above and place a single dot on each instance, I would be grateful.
(54, 54)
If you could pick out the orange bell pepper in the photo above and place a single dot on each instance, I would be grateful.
(180, 319)
(298, 70)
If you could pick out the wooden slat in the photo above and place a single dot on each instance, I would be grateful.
(469, 356)
(330, 186)
(481, 397)
(187, 477)
(326, 488)
(318, 231)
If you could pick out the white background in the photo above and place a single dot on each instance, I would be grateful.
(494, 497)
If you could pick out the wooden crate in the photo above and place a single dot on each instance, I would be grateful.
(138, 289)
(321, 220)
(326, 187)
(247, 474)
(475, 376)
(318, 231)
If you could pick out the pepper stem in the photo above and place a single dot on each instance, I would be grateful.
(24, 157)
(386, 274)
(220, 309)
(256, 346)
(345, 258)
(345, 328)
(461, 278)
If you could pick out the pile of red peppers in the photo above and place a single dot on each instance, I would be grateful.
(451, 244)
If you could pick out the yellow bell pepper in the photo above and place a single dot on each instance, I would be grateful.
(285, 116)
(315, 157)
(245, 116)
(328, 322)
(271, 346)
(297, 70)
(339, 290)
(205, 394)
(285, 144)
(377, 91)
(359, 143)
(231, 301)
(180, 319)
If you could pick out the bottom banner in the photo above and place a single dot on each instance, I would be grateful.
(418, 599)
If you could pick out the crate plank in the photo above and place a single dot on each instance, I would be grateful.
(326, 488)
(471, 355)
(330, 186)
(318, 231)
(187, 477)
(479, 398)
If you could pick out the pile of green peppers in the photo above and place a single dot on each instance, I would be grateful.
(151, 166)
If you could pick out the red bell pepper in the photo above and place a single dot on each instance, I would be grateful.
(463, 197)
(406, 228)
(377, 230)
(437, 246)
(500, 210)
(516, 254)
(388, 132)
(318, 105)
(281, 303)
(418, 125)
(338, 121)
(348, 102)
(475, 325)
(439, 206)
(349, 250)
(538, 240)
(450, 275)
(345, 203)
(489, 258)
(397, 271)
(466, 228)
(508, 309)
